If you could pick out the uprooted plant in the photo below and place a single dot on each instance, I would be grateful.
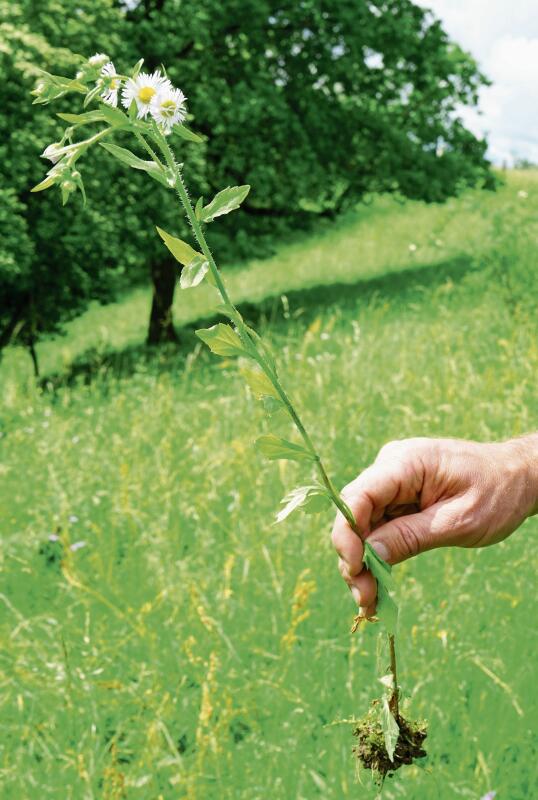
(155, 109)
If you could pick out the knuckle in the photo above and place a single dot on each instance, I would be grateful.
(410, 543)
(343, 570)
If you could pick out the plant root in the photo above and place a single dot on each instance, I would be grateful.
(371, 750)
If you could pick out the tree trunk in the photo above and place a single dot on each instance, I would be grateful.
(8, 332)
(33, 356)
(161, 325)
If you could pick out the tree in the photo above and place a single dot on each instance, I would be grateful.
(315, 103)
(49, 267)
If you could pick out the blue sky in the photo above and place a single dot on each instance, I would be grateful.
(503, 37)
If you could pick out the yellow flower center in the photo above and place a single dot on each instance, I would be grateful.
(113, 84)
(168, 108)
(146, 93)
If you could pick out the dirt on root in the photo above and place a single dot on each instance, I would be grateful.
(371, 750)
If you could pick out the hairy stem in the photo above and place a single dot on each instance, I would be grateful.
(268, 369)
(244, 332)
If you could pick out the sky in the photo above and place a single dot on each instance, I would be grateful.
(502, 35)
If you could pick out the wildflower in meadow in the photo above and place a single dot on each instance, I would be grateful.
(110, 83)
(168, 107)
(142, 90)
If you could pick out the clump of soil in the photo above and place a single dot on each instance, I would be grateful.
(371, 750)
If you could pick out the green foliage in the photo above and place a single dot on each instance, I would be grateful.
(311, 499)
(181, 251)
(390, 727)
(222, 340)
(352, 97)
(387, 610)
(276, 448)
(225, 201)
(194, 272)
(159, 656)
(304, 73)
(128, 158)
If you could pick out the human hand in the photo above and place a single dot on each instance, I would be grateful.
(422, 493)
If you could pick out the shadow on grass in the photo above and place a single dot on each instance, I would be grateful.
(399, 288)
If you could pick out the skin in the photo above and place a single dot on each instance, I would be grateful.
(421, 494)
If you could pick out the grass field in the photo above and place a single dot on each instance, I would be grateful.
(169, 641)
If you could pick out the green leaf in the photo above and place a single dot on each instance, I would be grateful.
(260, 385)
(224, 202)
(194, 272)
(82, 119)
(181, 251)
(114, 116)
(391, 731)
(137, 68)
(229, 311)
(126, 157)
(187, 134)
(198, 208)
(381, 571)
(222, 340)
(311, 498)
(387, 610)
(275, 447)
(92, 94)
(272, 406)
(263, 347)
(46, 183)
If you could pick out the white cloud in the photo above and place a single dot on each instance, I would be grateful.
(503, 36)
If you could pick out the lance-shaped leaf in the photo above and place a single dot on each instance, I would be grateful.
(259, 384)
(51, 87)
(275, 448)
(187, 134)
(224, 202)
(46, 183)
(222, 340)
(229, 311)
(311, 498)
(194, 272)
(181, 251)
(391, 731)
(114, 116)
(126, 157)
(82, 119)
(387, 610)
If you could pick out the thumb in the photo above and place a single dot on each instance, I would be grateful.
(404, 537)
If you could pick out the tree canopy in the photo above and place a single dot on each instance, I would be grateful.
(315, 103)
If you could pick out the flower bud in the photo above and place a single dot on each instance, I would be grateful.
(67, 187)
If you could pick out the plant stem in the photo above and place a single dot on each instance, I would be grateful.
(268, 369)
(244, 332)
(394, 702)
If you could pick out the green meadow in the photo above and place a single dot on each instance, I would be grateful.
(161, 638)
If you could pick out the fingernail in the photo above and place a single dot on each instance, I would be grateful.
(381, 549)
(356, 595)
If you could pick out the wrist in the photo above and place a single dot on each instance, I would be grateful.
(526, 452)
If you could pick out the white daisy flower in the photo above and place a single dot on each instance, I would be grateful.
(142, 90)
(111, 84)
(98, 60)
(167, 108)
